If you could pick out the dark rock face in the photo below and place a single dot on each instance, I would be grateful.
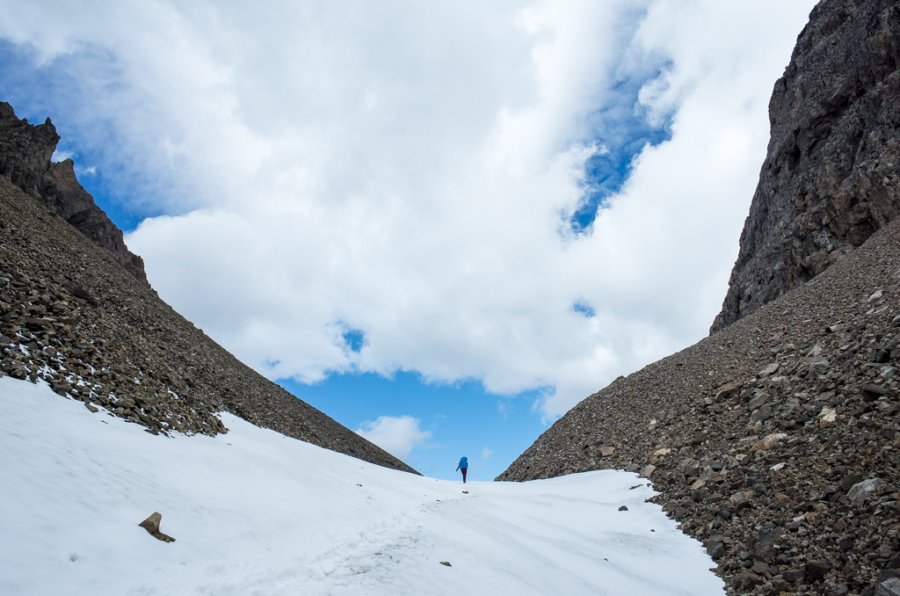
(72, 316)
(832, 170)
(25, 152)
(62, 193)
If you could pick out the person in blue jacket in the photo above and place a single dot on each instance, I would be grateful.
(464, 467)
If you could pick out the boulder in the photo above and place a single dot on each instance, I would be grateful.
(151, 524)
(861, 491)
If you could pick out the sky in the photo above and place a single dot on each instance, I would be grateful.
(256, 512)
(441, 223)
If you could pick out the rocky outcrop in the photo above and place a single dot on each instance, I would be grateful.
(72, 316)
(775, 441)
(63, 194)
(25, 150)
(25, 153)
(832, 170)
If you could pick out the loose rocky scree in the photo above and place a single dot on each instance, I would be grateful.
(775, 441)
(72, 315)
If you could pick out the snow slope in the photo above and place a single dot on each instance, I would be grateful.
(254, 512)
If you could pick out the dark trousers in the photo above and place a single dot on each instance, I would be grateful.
(464, 470)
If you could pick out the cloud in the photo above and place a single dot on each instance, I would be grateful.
(398, 435)
(486, 453)
(406, 174)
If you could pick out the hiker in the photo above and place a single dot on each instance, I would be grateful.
(464, 466)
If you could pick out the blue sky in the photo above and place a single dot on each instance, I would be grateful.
(459, 419)
(443, 224)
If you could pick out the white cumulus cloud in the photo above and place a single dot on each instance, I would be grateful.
(397, 435)
(407, 169)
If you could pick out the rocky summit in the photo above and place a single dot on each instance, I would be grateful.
(73, 314)
(25, 158)
(776, 440)
(830, 176)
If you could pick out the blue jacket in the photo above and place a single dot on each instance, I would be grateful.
(463, 463)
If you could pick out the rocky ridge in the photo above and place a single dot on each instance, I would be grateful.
(25, 153)
(775, 441)
(832, 169)
(71, 315)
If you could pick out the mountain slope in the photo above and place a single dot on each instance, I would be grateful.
(776, 439)
(756, 434)
(70, 313)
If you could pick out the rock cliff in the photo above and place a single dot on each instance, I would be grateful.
(832, 172)
(25, 152)
(72, 315)
(776, 440)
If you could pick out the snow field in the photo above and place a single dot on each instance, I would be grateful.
(255, 512)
